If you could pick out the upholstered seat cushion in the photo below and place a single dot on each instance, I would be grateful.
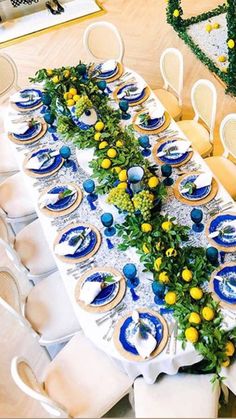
(177, 396)
(198, 135)
(31, 245)
(49, 309)
(8, 162)
(170, 103)
(225, 171)
(15, 200)
(84, 380)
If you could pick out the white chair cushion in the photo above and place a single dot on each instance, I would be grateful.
(31, 245)
(84, 380)
(198, 135)
(7, 162)
(225, 171)
(49, 309)
(177, 396)
(170, 103)
(14, 197)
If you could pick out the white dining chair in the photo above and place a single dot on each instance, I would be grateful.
(8, 74)
(177, 396)
(81, 381)
(223, 168)
(172, 71)
(8, 163)
(204, 100)
(103, 41)
(45, 307)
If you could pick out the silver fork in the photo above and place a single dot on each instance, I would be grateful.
(218, 209)
(110, 315)
(108, 334)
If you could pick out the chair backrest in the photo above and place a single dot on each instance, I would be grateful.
(172, 70)
(8, 74)
(228, 135)
(10, 291)
(4, 231)
(25, 378)
(103, 41)
(204, 98)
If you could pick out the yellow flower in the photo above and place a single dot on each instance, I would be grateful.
(176, 13)
(208, 313)
(222, 58)
(70, 102)
(226, 362)
(66, 74)
(73, 91)
(166, 225)
(119, 143)
(157, 264)
(163, 277)
(171, 252)
(122, 185)
(55, 79)
(170, 297)
(194, 318)
(187, 275)
(97, 136)
(123, 175)
(231, 43)
(146, 228)
(229, 348)
(99, 126)
(208, 27)
(102, 145)
(112, 153)
(49, 72)
(145, 249)
(196, 293)
(153, 182)
(106, 163)
(191, 334)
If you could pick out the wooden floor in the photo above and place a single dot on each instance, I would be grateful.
(143, 26)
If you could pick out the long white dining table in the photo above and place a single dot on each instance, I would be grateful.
(168, 363)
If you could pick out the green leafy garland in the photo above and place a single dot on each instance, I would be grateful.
(180, 25)
(161, 243)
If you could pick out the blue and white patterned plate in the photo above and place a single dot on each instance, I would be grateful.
(199, 193)
(50, 165)
(108, 293)
(32, 132)
(63, 203)
(174, 158)
(153, 123)
(225, 290)
(87, 246)
(30, 103)
(84, 122)
(107, 74)
(226, 240)
(132, 98)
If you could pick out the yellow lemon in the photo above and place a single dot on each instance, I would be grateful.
(119, 143)
(146, 228)
(49, 72)
(229, 348)
(66, 96)
(122, 185)
(102, 145)
(97, 136)
(73, 91)
(106, 163)
(76, 98)
(145, 249)
(66, 74)
(176, 13)
(163, 277)
(222, 58)
(208, 27)
(153, 182)
(226, 362)
(123, 175)
(171, 252)
(116, 169)
(112, 153)
(208, 313)
(55, 79)
(99, 126)
(187, 275)
(157, 264)
(191, 334)
(170, 297)
(216, 25)
(231, 43)
(194, 318)
(166, 225)
(196, 293)
(70, 102)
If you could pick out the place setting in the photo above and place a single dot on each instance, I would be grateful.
(151, 120)
(26, 100)
(223, 285)
(221, 231)
(60, 200)
(109, 70)
(26, 131)
(100, 289)
(173, 151)
(43, 162)
(195, 188)
(77, 242)
(133, 91)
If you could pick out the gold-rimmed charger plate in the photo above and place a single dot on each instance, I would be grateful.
(154, 131)
(66, 211)
(106, 307)
(39, 175)
(159, 161)
(147, 93)
(80, 259)
(23, 110)
(132, 357)
(196, 202)
(223, 303)
(213, 242)
(32, 140)
(116, 76)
